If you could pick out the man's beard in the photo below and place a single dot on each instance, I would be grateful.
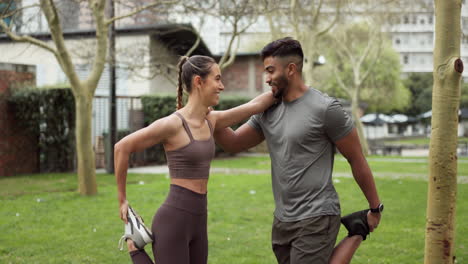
(281, 86)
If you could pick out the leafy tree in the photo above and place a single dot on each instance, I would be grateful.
(365, 68)
(420, 86)
(464, 96)
(306, 21)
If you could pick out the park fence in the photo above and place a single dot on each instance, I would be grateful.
(48, 116)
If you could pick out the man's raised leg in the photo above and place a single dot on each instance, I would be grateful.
(344, 251)
(358, 229)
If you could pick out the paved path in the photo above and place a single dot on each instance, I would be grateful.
(163, 169)
(156, 169)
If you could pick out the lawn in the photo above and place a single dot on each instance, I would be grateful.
(43, 220)
(421, 141)
(378, 164)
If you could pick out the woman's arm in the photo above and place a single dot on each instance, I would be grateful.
(237, 114)
(146, 137)
(242, 139)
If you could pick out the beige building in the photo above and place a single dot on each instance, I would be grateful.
(146, 64)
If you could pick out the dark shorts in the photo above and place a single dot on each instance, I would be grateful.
(306, 241)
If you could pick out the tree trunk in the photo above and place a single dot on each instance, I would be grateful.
(358, 124)
(84, 146)
(311, 55)
(442, 189)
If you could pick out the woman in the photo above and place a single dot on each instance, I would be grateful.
(179, 227)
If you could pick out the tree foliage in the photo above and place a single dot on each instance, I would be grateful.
(464, 96)
(420, 86)
(365, 68)
(365, 61)
(307, 21)
(385, 90)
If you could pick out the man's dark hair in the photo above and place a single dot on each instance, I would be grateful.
(283, 47)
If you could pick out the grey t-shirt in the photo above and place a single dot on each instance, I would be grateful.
(300, 136)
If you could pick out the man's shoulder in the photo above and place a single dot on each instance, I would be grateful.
(319, 95)
(271, 109)
(320, 100)
(263, 117)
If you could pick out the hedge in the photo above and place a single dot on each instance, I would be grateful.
(155, 107)
(49, 114)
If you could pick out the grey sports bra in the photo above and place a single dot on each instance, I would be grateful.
(193, 160)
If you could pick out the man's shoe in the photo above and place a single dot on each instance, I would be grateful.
(136, 230)
(356, 223)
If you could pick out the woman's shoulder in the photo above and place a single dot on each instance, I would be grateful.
(171, 123)
(211, 116)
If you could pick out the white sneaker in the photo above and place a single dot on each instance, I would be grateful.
(136, 230)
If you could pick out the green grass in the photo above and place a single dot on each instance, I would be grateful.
(378, 164)
(64, 227)
(423, 141)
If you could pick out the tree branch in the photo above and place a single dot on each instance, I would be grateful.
(138, 10)
(202, 10)
(341, 83)
(377, 56)
(194, 46)
(366, 50)
(97, 7)
(232, 56)
(275, 31)
(136, 71)
(18, 10)
(293, 16)
(246, 27)
(332, 24)
(344, 48)
(197, 42)
(228, 50)
(62, 54)
(317, 13)
(28, 39)
(6, 9)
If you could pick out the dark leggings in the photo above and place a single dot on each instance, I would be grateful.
(179, 230)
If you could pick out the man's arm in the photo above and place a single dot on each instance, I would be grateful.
(350, 147)
(242, 139)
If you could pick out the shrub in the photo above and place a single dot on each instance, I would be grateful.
(49, 114)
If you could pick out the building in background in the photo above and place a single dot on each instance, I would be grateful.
(18, 149)
(147, 54)
(413, 36)
(412, 33)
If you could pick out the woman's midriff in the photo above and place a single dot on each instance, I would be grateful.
(196, 185)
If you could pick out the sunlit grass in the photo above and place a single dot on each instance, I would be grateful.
(44, 220)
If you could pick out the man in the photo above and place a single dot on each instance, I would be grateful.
(301, 133)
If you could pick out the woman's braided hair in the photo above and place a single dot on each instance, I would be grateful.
(188, 67)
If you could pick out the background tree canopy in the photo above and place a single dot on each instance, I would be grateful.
(420, 86)
(365, 61)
